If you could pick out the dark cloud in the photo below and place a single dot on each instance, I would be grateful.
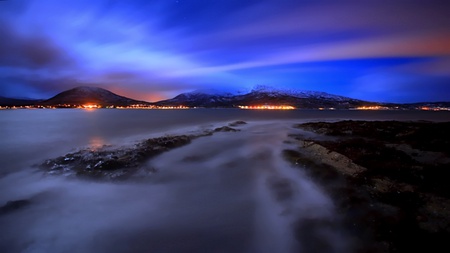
(30, 51)
(34, 86)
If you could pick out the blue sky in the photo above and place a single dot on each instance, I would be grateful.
(378, 50)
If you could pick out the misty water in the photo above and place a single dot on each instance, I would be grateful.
(230, 192)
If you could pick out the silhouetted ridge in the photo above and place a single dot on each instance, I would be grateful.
(90, 95)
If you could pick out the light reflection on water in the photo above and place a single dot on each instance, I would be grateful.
(96, 142)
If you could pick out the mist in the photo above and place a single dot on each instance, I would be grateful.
(229, 192)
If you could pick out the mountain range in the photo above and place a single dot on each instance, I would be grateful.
(261, 95)
(210, 98)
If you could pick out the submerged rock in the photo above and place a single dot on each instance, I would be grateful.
(226, 129)
(120, 163)
(14, 205)
(114, 164)
(237, 123)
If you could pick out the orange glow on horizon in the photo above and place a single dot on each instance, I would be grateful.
(140, 96)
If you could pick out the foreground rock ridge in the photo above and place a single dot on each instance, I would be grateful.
(388, 178)
(122, 163)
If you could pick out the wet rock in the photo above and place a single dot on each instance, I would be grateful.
(119, 163)
(434, 215)
(281, 188)
(14, 205)
(422, 135)
(237, 123)
(226, 129)
(342, 163)
(402, 198)
(166, 142)
(310, 232)
(421, 156)
(112, 163)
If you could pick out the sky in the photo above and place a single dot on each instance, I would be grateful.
(376, 50)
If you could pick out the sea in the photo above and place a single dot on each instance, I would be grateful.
(220, 193)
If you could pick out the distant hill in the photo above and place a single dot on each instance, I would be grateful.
(211, 98)
(262, 95)
(428, 104)
(90, 95)
(4, 101)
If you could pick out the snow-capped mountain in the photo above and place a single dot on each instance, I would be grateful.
(261, 95)
(215, 92)
(296, 93)
(199, 99)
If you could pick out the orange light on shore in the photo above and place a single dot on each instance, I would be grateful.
(90, 106)
(372, 108)
(427, 108)
(156, 107)
(266, 107)
(172, 107)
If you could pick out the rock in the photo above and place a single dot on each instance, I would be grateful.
(281, 188)
(166, 142)
(428, 157)
(237, 123)
(340, 162)
(382, 185)
(14, 205)
(112, 163)
(226, 129)
(120, 163)
(434, 214)
(401, 172)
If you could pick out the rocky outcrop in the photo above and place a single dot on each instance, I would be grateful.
(112, 163)
(119, 163)
(389, 179)
(237, 123)
(14, 205)
(226, 129)
(340, 162)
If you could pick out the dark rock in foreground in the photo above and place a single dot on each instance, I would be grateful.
(14, 205)
(226, 129)
(401, 197)
(119, 163)
(237, 123)
(116, 163)
(430, 136)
